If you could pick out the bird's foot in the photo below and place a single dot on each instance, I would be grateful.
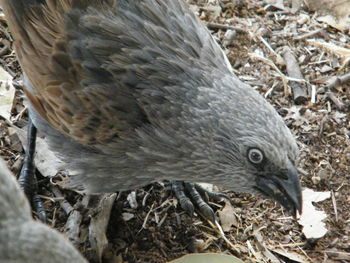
(27, 179)
(28, 182)
(191, 195)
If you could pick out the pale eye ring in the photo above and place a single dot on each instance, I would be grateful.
(255, 156)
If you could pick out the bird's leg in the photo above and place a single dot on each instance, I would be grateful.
(179, 190)
(27, 179)
(195, 193)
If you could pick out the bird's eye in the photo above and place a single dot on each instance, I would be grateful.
(255, 156)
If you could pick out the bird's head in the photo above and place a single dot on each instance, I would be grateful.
(255, 149)
(264, 165)
(274, 175)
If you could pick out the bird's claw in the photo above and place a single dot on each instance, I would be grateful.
(196, 194)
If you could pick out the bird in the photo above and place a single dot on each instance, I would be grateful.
(130, 92)
(21, 238)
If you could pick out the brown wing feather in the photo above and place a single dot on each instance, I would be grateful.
(102, 68)
(57, 93)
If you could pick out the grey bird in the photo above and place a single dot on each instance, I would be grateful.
(21, 238)
(129, 92)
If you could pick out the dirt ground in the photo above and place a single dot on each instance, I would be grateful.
(147, 225)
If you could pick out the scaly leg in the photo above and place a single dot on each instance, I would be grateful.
(27, 179)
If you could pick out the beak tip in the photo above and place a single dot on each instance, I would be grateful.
(284, 189)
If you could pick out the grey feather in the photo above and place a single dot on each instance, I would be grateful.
(156, 99)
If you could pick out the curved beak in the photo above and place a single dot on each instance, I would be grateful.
(284, 188)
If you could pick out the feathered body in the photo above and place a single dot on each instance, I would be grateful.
(129, 92)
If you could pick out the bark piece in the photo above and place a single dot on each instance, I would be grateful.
(293, 70)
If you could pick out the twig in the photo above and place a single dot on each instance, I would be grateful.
(212, 25)
(338, 81)
(335, 100)
(269, 62)
(72, 226)
(63, 202)
(299, 90)
(309, 34)
(98, 225)
(146, 218)
(219, 230)
(268, 46)
(313, 94)
(334, 202)
(20, 114)
(272, 247)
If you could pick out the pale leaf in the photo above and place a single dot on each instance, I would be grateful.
(7, 94)
(311, 219)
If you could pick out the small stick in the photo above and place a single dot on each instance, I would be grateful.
(335, 100)
(72, 226)
(63, 202)
(339, 80)
(309, 34)
(313, 94)
(334, 202)
(293, 69)
(99, 223)
(212, 25)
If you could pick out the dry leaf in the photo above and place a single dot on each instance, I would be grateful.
(45, 160)
(340, 24)
(98, 226)
(335, 13)
(7, 94)
(293, 256)
(227, 217)
(214, 11)
(127, 216)
(132, 200)
(206, 258)
(311, 219)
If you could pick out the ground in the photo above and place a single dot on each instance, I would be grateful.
(147, 225)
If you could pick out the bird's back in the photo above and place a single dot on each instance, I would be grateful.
(89, 62)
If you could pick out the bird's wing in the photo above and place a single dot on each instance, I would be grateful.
(89, 62)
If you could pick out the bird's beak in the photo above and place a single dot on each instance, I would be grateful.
(284, 188)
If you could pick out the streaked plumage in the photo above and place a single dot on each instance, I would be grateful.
(132, 92)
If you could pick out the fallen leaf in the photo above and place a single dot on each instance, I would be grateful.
(293, 256)
(311, 219)
(227, 217)
(132, 200)
(207, 258)
(333, 12)
(127, 216)
(215, 11)
(7, 94)
(45, 160)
